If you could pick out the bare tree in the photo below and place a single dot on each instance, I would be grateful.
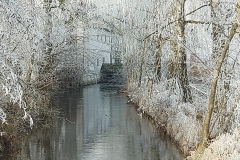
(206, 124)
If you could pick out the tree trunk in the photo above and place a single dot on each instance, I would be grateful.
(181, 54)
(142, 63)
(172, 68)
(157, 65)
(48, 32)
(29, 70)
(238, 13)
(217, 33)
(158, 59)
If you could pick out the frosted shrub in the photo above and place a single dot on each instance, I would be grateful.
(184, 126)
(225, 147)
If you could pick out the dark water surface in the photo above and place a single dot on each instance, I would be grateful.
(98, 124)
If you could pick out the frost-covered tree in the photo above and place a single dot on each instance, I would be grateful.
(39, 46)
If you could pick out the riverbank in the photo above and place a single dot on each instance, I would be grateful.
(179, 121)
(168, 116)
(182, 122)
(17, 126)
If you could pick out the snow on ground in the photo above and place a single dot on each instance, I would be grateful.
(226, 146)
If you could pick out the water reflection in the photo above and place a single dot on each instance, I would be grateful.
(97, 125)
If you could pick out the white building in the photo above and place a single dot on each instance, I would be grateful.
(101, 46)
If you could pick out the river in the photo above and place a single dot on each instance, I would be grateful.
(96, 123)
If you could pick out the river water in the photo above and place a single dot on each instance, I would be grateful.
(97, 124)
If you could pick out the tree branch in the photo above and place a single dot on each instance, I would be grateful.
(196, 22)
(197, 9)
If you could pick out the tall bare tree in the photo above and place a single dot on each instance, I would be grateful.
(211, 100)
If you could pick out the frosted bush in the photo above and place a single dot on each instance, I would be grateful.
(225, 147)
(187, 127)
